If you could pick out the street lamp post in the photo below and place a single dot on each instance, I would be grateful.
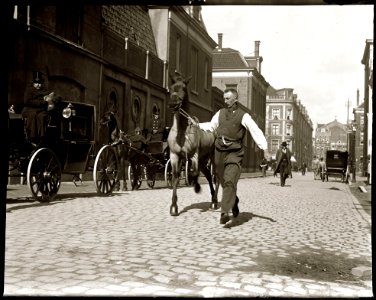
(353, 157)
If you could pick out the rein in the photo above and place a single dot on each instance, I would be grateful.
(184, 113)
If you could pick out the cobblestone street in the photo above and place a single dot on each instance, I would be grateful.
(301, 240)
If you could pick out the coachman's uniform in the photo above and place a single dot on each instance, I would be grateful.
(35, 113)
(230, 126)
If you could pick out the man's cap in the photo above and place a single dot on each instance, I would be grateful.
(137, 129)
(284, 144)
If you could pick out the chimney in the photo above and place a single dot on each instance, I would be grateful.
(357, 97)
(220, 35)
(257, 48)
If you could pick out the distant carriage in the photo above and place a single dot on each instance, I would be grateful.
(336, 165)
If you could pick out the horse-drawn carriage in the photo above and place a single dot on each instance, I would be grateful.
(336, 165)
(123, 159)
(67, 147)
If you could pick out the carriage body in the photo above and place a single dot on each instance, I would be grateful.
(336, 164)
(66, 148)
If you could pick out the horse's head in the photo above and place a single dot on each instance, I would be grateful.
(118, 136)
(107, 118)
(52, 100)
(178, 91)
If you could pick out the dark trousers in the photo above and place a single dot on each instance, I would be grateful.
(283, 170)
(228, 169)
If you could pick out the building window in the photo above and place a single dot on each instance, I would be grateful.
(275, 113)
(288, 115)
(288, 129)
(177, 53)
(322, 130)
(69, 23)
(194, 67)
(275, 129)
(361, 140)
(274, 145)
(136, 109)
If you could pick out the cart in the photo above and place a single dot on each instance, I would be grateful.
(336, 165)
(67, 148)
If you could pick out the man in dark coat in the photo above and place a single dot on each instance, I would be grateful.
(35, 109)
(283, 163)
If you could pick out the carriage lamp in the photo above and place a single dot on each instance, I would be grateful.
(69, 111)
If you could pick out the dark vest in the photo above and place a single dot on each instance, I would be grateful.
(230, 124)
(230, 128)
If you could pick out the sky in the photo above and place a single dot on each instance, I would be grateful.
(316, 50)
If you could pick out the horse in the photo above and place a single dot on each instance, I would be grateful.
(186, 140)
(117, 138)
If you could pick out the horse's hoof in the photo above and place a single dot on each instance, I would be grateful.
(174, 211)
(197, 188)
(214, 206)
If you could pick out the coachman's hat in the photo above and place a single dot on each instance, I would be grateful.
(37, 77)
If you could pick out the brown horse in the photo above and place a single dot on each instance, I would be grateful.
(117, 138)
(189, 142)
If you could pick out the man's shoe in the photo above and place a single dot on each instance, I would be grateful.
(235, 208)
(224, 218)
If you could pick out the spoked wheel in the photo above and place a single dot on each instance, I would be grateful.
(188, 172)
(168, 174)
(105, 170)
(44, 175)
(132, 179)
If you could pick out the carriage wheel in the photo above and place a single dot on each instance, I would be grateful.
(105, 170)
(168, 174)
(131, 177)
(44, 175)
(188, 172)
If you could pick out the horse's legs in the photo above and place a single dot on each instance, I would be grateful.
(195, 173)
(175, 166)
(122, 173)
(213, 191)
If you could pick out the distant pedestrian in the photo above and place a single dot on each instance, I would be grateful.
(283, 163)
(322, 169)
(315, 167)
(304, 167)
(264, 166)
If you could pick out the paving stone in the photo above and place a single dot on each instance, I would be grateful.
(361, 271)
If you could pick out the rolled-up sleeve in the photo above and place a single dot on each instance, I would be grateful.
(256, 133)
(212, 125)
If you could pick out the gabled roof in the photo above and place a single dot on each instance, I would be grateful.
(228, 58)
(335, 123)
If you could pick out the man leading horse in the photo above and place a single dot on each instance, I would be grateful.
(230, 125)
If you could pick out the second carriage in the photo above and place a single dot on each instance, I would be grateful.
(151, 162)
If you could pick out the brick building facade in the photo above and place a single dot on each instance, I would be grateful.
(90, 54)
